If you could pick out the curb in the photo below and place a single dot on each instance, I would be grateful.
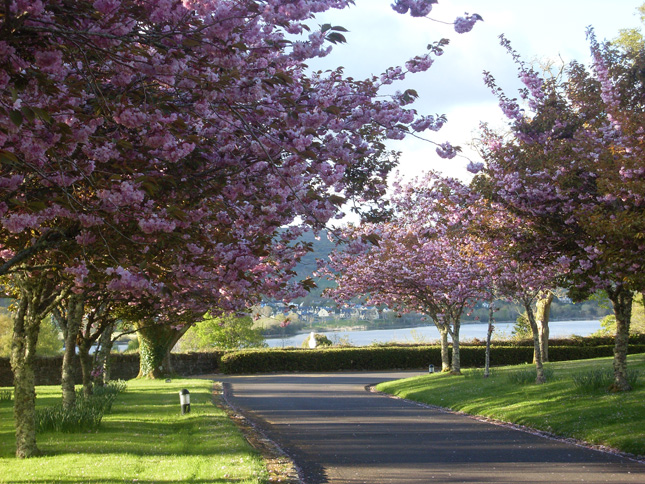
(280, 467)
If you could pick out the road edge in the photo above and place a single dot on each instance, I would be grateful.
(280, 467)
(522, 428)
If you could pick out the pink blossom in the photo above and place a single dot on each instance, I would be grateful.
(107, 6)
(446, 151)
(466, 24)
(49, 61)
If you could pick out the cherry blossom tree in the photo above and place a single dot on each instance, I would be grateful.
(422, 260)
(573, 168)
(187, 132)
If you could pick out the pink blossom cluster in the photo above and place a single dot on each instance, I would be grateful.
(156, 150)
(417, 8)
(466, 24)
(570, 170)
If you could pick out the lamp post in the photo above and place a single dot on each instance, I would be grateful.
(184, 400)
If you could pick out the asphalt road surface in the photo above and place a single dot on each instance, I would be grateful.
(337, 432)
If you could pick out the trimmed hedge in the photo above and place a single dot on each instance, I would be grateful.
(394, 357)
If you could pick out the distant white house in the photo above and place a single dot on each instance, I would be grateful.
(323, 313)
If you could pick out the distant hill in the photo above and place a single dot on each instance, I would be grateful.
(307, 266)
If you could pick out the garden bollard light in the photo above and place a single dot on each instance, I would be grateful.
(431, 369)
(184, 399)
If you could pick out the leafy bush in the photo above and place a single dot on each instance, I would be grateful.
(228, 331)
(600, 379)
(50, 342)
(321, 340)
(5, 395)
(522, 327)
(85, 416)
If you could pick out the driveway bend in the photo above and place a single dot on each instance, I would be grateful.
(336, 432)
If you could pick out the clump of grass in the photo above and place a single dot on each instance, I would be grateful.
(85, 416)
(477, 373)
(5, 395)
(600, 379)
(528, 375)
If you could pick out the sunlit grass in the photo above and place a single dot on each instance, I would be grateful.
(613, 419)
(144, 439)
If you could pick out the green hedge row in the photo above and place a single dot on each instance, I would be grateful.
(394, 357)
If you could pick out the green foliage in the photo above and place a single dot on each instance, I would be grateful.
(321, 340)
(50, 342)
(6, 330)
(600, 379)
(5, 395)
(631, 39)
(637, 326)
(85, 416)
(522, 327)
(225, 332)
(133, 345)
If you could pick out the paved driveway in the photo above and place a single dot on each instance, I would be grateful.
(337, 432)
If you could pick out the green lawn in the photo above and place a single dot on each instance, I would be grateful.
(144, 439)
(558, 407)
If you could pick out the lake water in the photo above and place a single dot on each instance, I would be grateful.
(428, 334)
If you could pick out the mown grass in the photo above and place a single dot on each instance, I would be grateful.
(143, 439)
(560, 407)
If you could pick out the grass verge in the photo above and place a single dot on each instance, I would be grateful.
(143, 439)
(559, 407)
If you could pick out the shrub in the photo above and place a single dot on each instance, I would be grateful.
(85, 416)
(393, 357)
(321, 340)
(5, 395)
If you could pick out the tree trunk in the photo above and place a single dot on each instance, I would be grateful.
(155, 343)
(456, 355)
(102, 359)
(489, 336)
(86, 366)
(542, 314)
(445, 353)
(621, 299)
(72, 323)
(23, 351)
(38, 296)
(537, 354)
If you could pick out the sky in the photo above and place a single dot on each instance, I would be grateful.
(379, 38)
